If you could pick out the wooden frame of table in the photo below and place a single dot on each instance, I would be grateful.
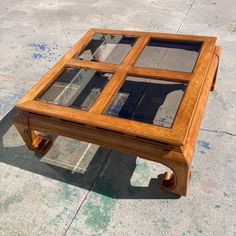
(172, 146)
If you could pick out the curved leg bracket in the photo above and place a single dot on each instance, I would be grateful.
(42, 143)
(35, 141)
(176, 182)
(214, 81)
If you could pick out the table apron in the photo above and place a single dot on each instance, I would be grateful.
(155, 151)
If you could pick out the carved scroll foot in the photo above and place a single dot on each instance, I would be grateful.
(176, 182)
(43, 143)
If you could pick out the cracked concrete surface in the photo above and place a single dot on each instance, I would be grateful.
(112, 193)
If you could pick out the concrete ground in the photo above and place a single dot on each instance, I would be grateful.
(105, 192)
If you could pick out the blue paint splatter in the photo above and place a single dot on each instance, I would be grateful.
(37, 55)
(204, 146)
(41, 46)
(42, 50)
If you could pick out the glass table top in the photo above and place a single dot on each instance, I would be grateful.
(169, 55)
(136, 83)
(107, 48)
(147, 100)
(76, 87)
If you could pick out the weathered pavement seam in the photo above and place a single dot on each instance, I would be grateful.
(219, 132)
(191, 5)
(104, 165)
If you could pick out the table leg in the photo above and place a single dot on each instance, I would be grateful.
(35, 141)
(217, 53)
(176, 182)
(214, 81)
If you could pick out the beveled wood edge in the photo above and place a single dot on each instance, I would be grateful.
(135, 51)
(196, 122)
(218, 51)
(160, 74)
(92, 65)
(155, 34)
(131, 127)
(52, 74)
(119, 77)
(107, 94)
(190, 99)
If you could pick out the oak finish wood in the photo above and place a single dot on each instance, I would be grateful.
(172, 147)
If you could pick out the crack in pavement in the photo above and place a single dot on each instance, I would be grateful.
(101, 170)
(219, 132)
(190, 7)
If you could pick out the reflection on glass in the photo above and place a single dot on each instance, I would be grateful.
(147, 100)
(169, 55)
(107, 48)
(76, 88)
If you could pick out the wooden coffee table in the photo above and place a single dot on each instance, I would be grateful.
(137, 92)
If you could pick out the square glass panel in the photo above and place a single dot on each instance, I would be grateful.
(76, 87)
(169, 55)
(107, 48)
(147, 100)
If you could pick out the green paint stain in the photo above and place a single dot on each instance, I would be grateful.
(217, 206)
(98, 207)
(64, 215)
(198, 229)
(10, 201)
(65, 194)
(97, 214)
(195, 176)
(185, 234)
